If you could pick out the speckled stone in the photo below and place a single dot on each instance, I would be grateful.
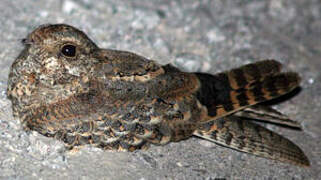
(209, 36)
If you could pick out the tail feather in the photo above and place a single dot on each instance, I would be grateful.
(240, 77)
(225, 93)
(267, 114)
(247, 137)
(268, 88)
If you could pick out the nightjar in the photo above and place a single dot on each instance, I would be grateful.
(63, 85)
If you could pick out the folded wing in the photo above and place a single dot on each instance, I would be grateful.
(245, 136)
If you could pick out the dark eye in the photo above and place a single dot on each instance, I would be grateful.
(69, 50)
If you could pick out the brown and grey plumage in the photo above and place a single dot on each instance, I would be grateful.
(62, 85)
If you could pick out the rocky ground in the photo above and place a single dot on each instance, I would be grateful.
(208, 36)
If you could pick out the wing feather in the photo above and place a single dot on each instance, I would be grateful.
(245, 136)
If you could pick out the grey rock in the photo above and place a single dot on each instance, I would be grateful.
(208, 36)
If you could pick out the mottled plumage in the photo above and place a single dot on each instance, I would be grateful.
(64, 86)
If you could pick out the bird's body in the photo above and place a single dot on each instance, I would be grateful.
(62, 85)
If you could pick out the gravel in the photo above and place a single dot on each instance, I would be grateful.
(208, 36)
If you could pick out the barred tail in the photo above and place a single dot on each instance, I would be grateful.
(244, 75)
(225, 93)
(268, 88)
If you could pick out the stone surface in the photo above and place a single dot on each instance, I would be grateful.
(206, 35)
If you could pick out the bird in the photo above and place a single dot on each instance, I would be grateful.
(64, 86)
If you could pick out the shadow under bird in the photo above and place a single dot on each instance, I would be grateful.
(63, 85)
